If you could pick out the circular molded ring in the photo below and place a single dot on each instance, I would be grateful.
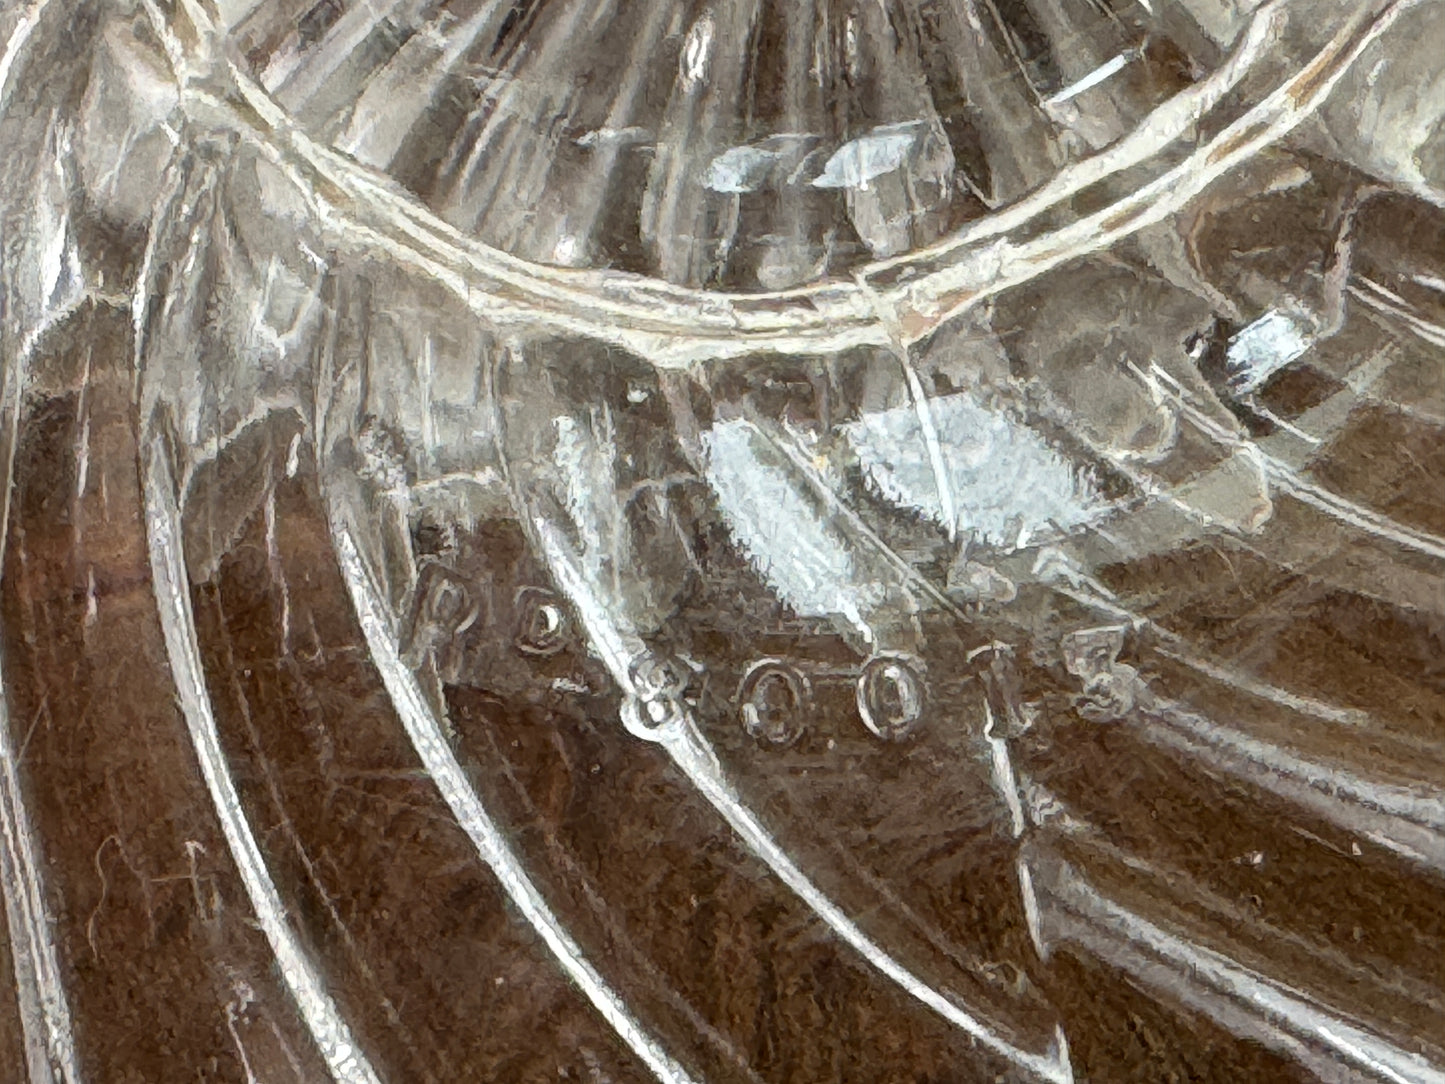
(542, 624)
(798, 688)
(892, 696)
(652, 720)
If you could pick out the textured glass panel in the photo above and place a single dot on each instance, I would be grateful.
(760, 540)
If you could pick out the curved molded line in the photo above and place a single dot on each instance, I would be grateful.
(675, 327)
(619, 940)
(1290, 481)
(428, 738)
(1406, 820)
(1165, 124)
(1175, 648)
(346, 1061)
(1346, 511)
(15, 45)
(44, 1011)
(1393, 306)
(1244, 1002)
(928, 433)
(684, 743)
(937, 297)
(698, 762)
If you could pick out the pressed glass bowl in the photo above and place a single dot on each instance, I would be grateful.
(769, 541)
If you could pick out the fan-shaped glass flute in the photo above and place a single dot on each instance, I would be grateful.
(762, 540)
